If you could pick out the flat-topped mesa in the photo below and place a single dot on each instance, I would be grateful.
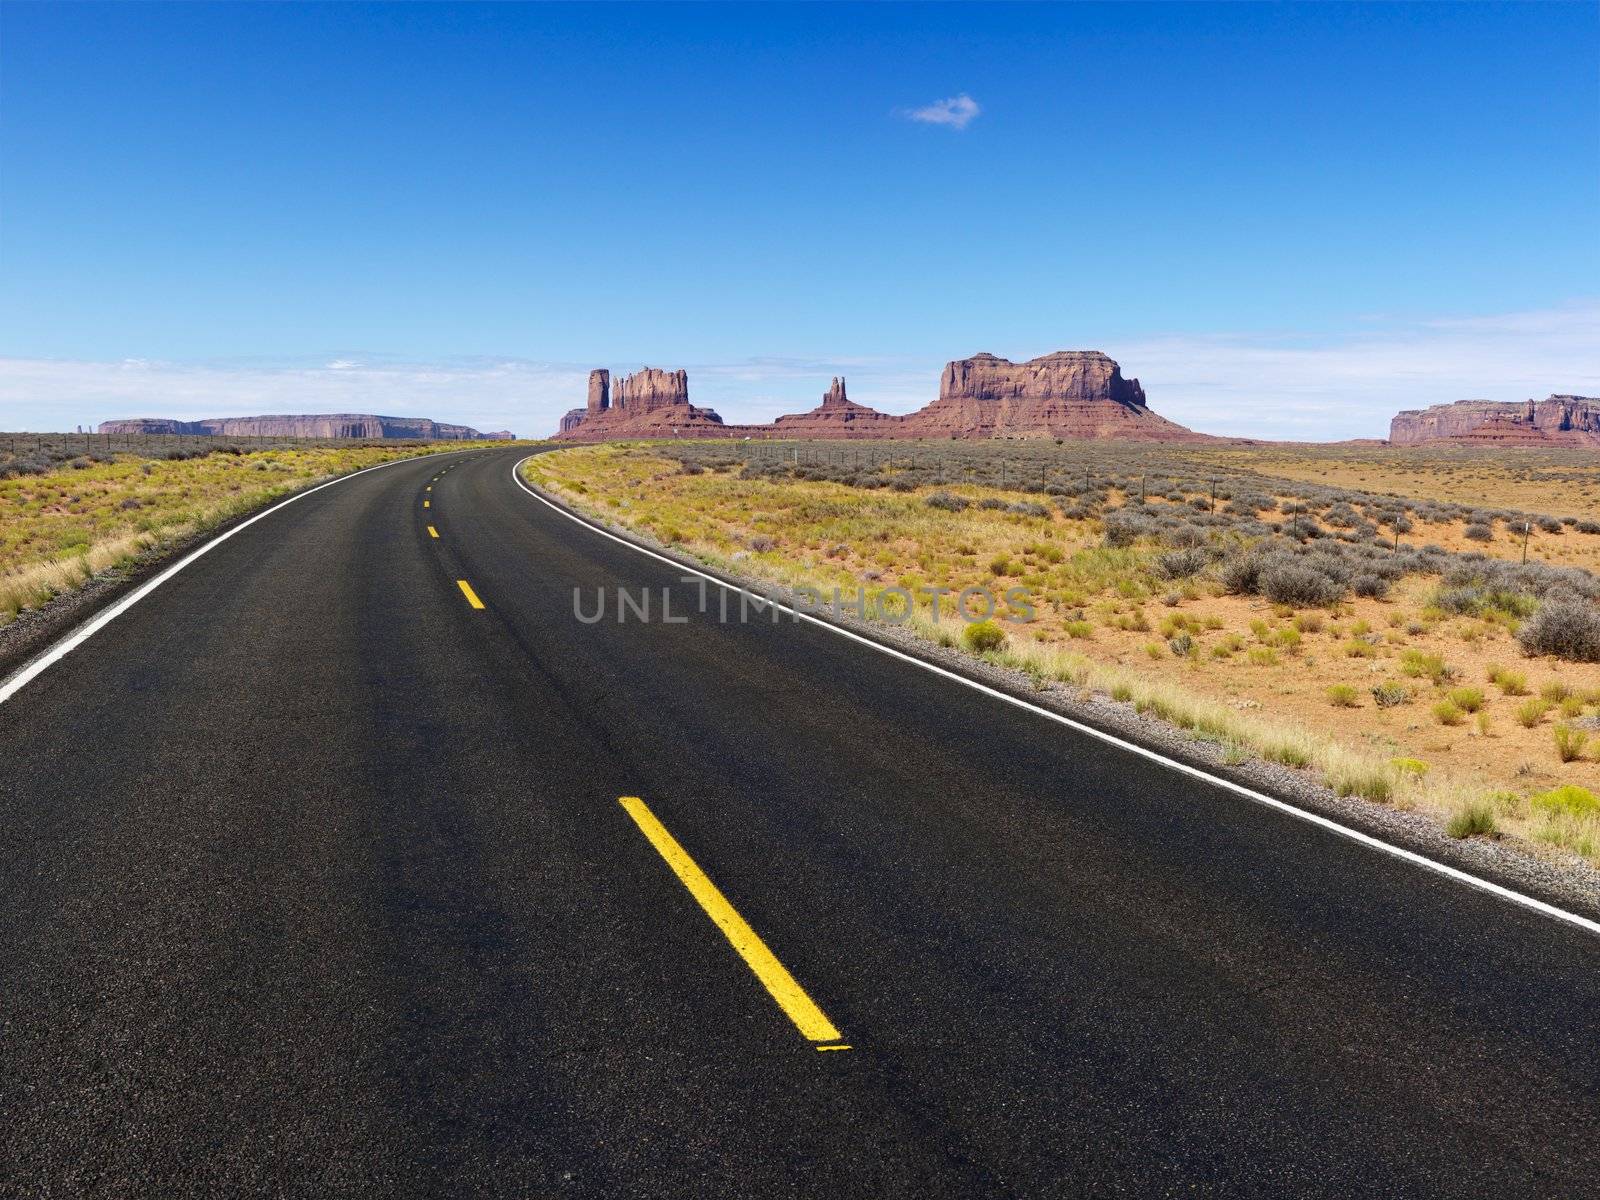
(837, 416)
(1556, 421)
(572, 418)
(1070, 394)
(313, 425)
(1064, 375)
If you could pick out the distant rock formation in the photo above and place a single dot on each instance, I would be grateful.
(838, 417)
(326, 425)
(651, 389)
(1557, 421)
(650, 403)
(1069, 394)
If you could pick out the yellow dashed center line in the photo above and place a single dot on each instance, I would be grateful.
(427, 504)
(432, 532)
(472, 596)
(781, 985)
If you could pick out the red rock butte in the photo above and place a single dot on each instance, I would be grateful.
(1068, 394)
(1557, 421)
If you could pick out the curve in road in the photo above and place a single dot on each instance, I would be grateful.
(316, 879)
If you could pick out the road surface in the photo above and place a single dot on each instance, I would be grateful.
(317, 880)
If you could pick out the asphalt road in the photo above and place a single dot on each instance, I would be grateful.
(314, 880)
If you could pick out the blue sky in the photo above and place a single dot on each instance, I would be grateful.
(456, 210)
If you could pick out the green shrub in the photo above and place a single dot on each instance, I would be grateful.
(1570, 743)
(1474, 819)
(1467, 699)
(1531, 712)
(982, 636)
(1446, 713)
(1367, 780)
(1419, 665)
(1511, 683)
(1569, 800)
(1342, 695)
(1414, 767)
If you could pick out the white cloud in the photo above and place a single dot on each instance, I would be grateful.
(957, 112)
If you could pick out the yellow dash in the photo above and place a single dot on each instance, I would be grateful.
(820, 1048)
(427, 504)
(432, 532)
(791, 997)
(472, 596)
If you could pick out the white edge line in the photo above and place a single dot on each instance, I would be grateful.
(1283, 806)
(59, 650)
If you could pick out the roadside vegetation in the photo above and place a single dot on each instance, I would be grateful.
(68, 513)
(1373, 638)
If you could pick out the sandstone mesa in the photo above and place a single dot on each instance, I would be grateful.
(1556, 421)
(321, 425)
